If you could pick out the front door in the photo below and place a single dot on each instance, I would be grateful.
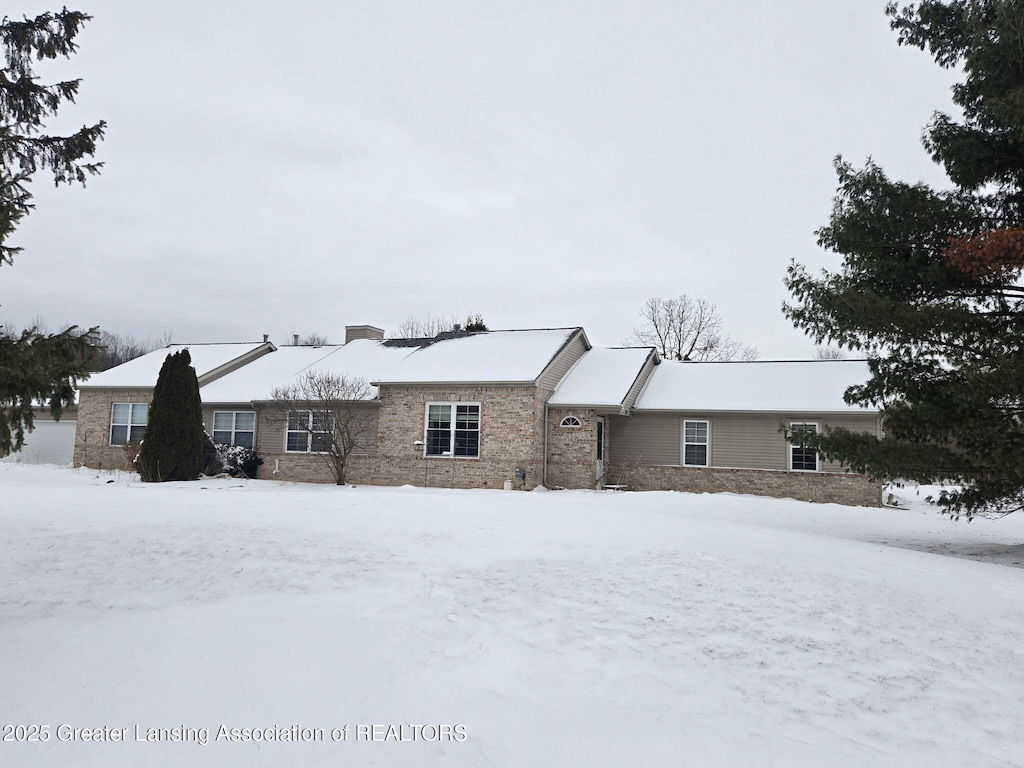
(600, 447)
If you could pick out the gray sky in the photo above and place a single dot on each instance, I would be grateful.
(278, 169)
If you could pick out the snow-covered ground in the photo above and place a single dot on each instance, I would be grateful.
(519, 629)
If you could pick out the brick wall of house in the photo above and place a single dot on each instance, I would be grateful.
(278, 464)
(92, 432)
(572, 451)
(856, 490)
(313, 468)
(511, 437)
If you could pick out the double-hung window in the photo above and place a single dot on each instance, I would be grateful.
(128, 422)
(234, 428)
(309, 431)
(802, 457)
(453, 429)
(696, 443)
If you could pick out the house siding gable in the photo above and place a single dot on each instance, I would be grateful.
(641, 380)
(562, 362)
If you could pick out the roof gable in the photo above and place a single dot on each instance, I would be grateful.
(360, 358)
(485, 357)
(209, 361)
(602, 378)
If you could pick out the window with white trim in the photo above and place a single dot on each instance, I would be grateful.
(571, 421)
(234, 428)
(309, 431)
(802, 458)
(696, 442)
(453, 429)
(128, 422)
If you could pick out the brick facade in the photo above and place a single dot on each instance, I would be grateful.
(92, 432)
(312, 468)
(824, 487)
(511, 438)
(572, 451)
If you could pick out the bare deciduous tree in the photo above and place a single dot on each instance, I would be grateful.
(687, 329)
(830, 352)
(425, 327)
(118, 348)
(313, 339)
(430, 326)
(327, 415)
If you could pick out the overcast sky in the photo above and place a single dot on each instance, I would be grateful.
(285, 169)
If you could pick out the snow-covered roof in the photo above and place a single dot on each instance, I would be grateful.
(808, 386)
(602, 377)
(362, 358)
(143, 371)
(487, 357)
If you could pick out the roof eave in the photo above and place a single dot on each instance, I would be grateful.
(611, 407)
(312, 403)
(783, 411)
(115, 386)
(527, 383)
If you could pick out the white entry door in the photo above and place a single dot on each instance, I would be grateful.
(600, 447)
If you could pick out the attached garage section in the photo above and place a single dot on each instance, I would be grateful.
(51, 442)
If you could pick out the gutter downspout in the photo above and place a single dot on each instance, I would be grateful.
(544, 463)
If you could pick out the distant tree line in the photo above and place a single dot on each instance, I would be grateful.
(430, 325)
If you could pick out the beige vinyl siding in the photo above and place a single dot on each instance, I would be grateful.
(208, 418)
(748, 441)
(854, 423)
(738, 440)
(562, 362)
(641, 379)
(647, 439)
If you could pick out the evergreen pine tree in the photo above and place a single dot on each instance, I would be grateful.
(930, 285)
(475, 323)
(37, 366)
(172, 448)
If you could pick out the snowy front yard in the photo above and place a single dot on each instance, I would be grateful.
(514, 629)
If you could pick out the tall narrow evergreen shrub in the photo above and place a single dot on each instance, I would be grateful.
(172, 448)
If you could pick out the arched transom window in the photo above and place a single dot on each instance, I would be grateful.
(571, 421)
